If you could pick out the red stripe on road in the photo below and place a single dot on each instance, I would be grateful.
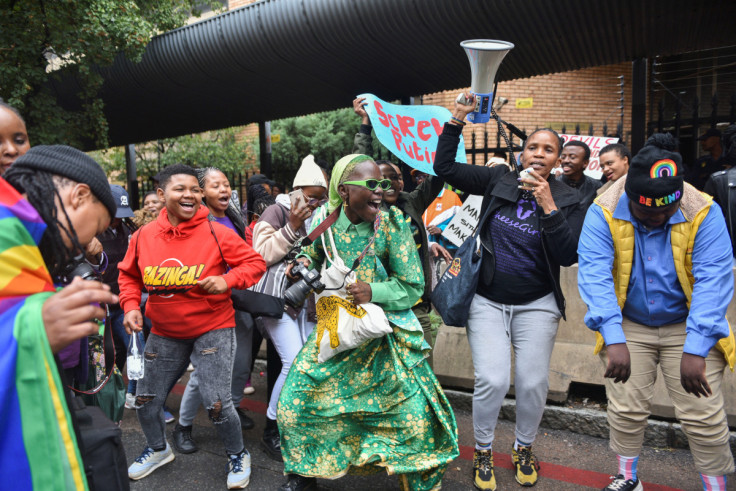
(250, 404)
(561, 473)
(255, 406)
(548, 471)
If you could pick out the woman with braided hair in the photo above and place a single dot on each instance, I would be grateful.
(53, 201)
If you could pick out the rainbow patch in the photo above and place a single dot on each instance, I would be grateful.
(663, 168)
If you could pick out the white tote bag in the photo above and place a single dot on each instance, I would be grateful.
(341, 325)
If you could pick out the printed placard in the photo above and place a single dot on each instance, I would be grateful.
(410, 132)
(464, 222)
(595, 143)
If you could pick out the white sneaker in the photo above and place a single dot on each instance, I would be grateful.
(149, 461)
(238, 470)
(248, 390)
(621, 484)
(129, 401)
(190, 368)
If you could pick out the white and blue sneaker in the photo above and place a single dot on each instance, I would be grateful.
(149, 461)
(238, 470)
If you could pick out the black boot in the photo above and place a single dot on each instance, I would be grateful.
(271, 441)
(245, 421)
(299, 483)
(183, 439)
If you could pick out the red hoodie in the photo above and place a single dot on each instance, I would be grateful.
(168, 261)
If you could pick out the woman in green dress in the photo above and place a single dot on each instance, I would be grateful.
(378, 406)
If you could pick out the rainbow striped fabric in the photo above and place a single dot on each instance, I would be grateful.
(38, 447)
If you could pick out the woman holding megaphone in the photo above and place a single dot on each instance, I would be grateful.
(529, 228)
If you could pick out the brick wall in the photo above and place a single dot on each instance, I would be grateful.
(233, 4)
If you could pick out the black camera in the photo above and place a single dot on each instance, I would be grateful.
(79, 267)
(308, 281)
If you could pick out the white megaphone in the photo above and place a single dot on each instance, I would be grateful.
(485, 56)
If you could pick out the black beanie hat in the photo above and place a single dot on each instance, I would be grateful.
(73, 164)
(655, 177)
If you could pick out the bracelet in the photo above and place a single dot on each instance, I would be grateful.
(458, 121)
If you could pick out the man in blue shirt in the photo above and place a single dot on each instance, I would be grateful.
(655, 271)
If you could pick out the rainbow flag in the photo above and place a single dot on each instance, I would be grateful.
(38, 447)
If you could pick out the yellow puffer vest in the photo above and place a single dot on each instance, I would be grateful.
(694, 206)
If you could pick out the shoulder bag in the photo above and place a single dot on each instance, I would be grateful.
(456, 287)
(347, 325)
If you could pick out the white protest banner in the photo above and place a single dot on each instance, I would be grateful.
(464, 222)
(410, 132)
(595, 143)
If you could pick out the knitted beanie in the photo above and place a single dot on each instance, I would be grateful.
(309, 174)
(73, 164)
(655, 177)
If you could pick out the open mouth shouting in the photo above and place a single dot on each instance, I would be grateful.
(537, 166)
(374, 205)
(188, 208)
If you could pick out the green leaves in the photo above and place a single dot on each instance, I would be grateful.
(37, 38)
(222, 149)
(328, 136)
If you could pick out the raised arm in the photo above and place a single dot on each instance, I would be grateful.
(469, 178)
(363, 142)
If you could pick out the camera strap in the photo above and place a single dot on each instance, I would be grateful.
(109, 355)
(320, 229)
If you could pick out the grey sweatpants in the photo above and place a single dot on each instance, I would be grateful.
(493, 330)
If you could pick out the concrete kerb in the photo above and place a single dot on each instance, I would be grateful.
(659, 434)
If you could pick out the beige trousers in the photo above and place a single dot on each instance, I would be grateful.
(703, 419)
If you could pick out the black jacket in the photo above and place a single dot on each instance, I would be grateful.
(498, 186)
(722, 186)
(586, 189)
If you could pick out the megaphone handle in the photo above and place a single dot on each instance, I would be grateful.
(461, 99)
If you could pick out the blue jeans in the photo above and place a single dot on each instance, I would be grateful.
(192, 399)
(165, 359)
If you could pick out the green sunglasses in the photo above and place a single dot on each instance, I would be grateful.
(372, 184)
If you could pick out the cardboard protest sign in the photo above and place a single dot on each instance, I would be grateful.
(595, 143)
(464, 222)
(410, 132)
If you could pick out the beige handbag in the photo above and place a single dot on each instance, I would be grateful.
(347, 325)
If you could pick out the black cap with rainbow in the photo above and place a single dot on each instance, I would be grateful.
(655, 177)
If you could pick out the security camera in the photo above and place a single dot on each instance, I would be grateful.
(500, 102)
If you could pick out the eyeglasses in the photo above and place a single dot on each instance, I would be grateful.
(314, 202)
(372, 184)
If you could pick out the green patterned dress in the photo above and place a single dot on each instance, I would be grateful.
(378, 406)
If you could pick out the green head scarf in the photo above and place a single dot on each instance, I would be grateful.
(343, 168)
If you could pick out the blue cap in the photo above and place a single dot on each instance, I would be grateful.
(122, 201)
